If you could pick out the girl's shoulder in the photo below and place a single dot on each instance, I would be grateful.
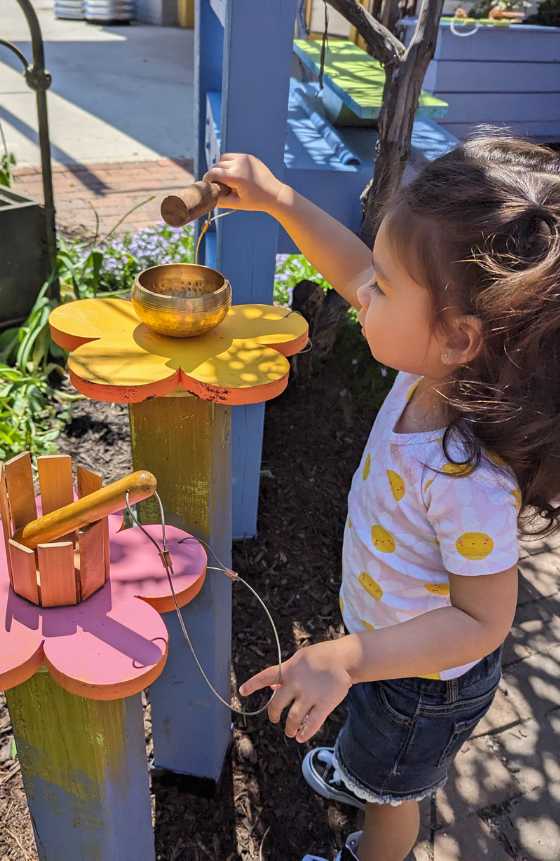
(449, 473)
(404, 385)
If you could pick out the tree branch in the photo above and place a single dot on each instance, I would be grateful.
(400, 101)
(380, 42)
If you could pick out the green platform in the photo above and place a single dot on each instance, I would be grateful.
(357, 79)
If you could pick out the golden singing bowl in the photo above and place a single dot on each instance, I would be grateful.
(181, 300)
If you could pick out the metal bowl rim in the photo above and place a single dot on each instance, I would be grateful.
(164, 296)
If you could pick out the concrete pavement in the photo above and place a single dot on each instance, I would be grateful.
(118, 94)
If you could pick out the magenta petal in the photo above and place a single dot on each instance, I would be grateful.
(137, 570)
(113, 650)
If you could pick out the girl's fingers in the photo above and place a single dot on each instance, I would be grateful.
(216, 174)
(298, 715)
(312, 723)
(282, 699)
(265, 679)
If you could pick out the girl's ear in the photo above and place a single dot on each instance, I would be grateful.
(462, 340)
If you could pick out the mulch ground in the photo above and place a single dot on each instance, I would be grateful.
(262, 808)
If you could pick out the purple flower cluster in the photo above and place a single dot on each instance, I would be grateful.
(125, 256)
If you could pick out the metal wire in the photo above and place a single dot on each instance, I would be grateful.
(204, 229)
(167, 563)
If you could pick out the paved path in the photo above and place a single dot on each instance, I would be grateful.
(118, 93)
(111, 190)
(503, 798)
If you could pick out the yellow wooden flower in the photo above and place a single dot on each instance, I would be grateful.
(115, 357)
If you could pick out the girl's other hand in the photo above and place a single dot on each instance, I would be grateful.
(253, 186)
(313, 682)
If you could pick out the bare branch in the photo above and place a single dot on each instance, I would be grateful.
(381, 43)
(423, 42)
(400, 102)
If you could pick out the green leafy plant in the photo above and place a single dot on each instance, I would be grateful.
(110, 266)
(32, 411)
(290, 269)
(7, 162)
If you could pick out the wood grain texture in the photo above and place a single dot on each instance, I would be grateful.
(24, 571)
(84, 769)
(55, 481)
(88, 482)
(57, 574)
(92, 563)
(19, 484)
(5, 514)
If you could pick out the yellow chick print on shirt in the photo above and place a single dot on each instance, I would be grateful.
(367, 467)
(474, 545)
(371, 586)
(437, 588)
(461, 470)
(382, 539)
(397, 484)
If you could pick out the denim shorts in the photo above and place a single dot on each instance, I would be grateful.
(401, 736)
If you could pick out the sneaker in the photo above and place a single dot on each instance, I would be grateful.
(347, 853)
(322, 775)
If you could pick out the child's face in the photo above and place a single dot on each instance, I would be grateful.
(396, 316)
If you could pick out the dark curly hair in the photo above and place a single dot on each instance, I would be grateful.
(480, 228)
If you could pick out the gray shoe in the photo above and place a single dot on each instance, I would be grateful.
(321, 774)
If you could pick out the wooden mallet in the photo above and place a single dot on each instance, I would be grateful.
(192, 203)
(112, 497)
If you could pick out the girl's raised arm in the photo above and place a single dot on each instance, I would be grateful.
(339, 255)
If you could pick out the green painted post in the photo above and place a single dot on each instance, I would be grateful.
(84, 770)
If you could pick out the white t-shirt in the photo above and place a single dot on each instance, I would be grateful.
(413, 517)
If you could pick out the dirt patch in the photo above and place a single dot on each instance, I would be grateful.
(263, 809)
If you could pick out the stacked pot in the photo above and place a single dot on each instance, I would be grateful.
(69, 9)
(109, 11)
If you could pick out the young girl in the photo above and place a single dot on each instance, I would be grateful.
(462, 296)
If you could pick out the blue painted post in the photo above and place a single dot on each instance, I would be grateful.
(85, 773)
(208, 54)
(256, 79)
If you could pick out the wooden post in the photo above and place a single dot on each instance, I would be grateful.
(248, 56)
(185, 442)
(85, 774)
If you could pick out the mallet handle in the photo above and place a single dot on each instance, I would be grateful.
(196, 200)
(139, 485)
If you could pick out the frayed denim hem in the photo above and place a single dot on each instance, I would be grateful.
(371, 797)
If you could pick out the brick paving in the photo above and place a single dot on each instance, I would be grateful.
(111, 190)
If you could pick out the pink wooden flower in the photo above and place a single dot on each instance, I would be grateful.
(114, 644)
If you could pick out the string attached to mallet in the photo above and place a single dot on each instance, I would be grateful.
(167, 562)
